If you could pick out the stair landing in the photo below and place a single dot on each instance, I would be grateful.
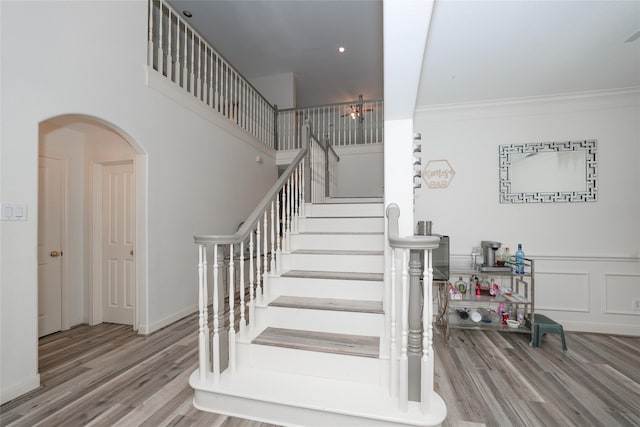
(294, 400)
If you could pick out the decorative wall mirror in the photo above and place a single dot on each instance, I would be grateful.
(549, 172)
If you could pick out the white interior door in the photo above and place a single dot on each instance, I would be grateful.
(118, 236)
(50, 229)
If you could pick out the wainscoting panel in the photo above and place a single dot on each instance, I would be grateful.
(621, 290)
(562, 291)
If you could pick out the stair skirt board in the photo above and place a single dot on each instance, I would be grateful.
(341, 224)
(294, 400)
(320, 320)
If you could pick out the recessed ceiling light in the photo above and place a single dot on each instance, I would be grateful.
(187, 13)
(341, 49)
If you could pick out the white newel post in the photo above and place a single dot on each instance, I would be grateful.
(203, 329)
(232, 326)
(216, 320)
(393, 363)
(252, 301)
(265, 255)
(404, 316)
(243, 320)
(427, 365)
(411, 342)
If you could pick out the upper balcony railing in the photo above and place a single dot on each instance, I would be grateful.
(347, 123)
(180, 54)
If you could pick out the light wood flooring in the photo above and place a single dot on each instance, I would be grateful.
(107, 375)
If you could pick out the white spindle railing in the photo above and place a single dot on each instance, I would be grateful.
(321, 178)
(409, 314)
(179, 53)
(266, 234)
(344, 124)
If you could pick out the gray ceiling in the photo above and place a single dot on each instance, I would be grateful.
(476, 50)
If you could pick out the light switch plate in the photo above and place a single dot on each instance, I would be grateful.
(13, 212)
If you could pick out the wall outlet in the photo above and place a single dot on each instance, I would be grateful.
(635, 304)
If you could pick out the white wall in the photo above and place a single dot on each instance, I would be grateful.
(65, 58)
(587, 254)
(360, 171)
(279, 89)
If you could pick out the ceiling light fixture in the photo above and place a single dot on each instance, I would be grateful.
(187, 13)
(341, 49)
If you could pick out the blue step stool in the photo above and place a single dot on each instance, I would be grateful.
(545, 325)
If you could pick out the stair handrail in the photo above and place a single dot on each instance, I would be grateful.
(318, 190)
(408, 242)
(270, 226)
(416, 252)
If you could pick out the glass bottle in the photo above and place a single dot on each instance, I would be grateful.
(519, 260)
(461, 285)
(507, 257)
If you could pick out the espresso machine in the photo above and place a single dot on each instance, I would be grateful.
(489, 249)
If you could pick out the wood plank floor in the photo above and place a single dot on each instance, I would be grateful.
(106, 375)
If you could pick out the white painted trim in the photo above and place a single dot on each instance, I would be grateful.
(606, 302)
(95, 290)
(141, 313)
(354, 150)
(173, 91)
(95, 311)
(16, 390)
(146, 329)
(587, 285)
(65, 322)
(64, 288)
(600, 328)
(629, 94)
(560, 257)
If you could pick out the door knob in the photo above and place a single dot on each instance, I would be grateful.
(54, 254)
(131, 252)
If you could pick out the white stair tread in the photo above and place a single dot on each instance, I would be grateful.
(335, 252)
(311, 303)
(322, 394)
(334, 275)
(323, 342)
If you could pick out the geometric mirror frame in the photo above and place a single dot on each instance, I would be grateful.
(549, 172)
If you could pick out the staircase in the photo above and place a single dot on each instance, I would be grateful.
(316, 353)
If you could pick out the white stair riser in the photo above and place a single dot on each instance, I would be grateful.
(321, 288)
(344, 209)
(301, 362)
(333, 262)
(339, 322)
(372, 242)
(369, 224)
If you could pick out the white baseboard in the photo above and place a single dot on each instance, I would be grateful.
(147, 329)
(600, 328)
(15, 390)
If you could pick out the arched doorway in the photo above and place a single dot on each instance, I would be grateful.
(95, 211)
